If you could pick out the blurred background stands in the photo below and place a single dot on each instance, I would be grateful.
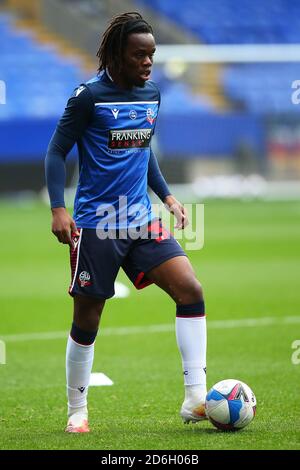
(217, 118)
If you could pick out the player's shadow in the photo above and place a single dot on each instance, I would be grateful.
(199, 430)
(209, 431)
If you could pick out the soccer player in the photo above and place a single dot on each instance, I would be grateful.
(112, 119)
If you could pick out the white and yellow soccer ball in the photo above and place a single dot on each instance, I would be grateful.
(230, 405)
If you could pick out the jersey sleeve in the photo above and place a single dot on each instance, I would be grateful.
(55, 168)
(74, 121)
(156, 180)
(78, 114)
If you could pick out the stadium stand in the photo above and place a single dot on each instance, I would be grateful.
(47, 77)
(39, 78)
(232, 22)
(261, 88)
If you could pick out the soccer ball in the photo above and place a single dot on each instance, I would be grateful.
(230, 405)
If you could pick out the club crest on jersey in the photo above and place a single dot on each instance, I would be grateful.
(150, 115)
(115, 112)
(133, 114)
(84, 279)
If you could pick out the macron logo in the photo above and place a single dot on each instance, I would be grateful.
(79, 90)
(115, 112)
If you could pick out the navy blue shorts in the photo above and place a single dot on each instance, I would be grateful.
(95, 263)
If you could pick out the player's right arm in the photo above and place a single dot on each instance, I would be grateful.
(76, 118)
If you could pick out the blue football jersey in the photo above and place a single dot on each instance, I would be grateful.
(113, 129)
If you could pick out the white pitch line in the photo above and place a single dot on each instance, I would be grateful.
(162, 328)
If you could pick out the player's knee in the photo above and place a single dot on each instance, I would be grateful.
(190, 292)
(195, 291)
(88, 322)
(87, 312)
(192, 303)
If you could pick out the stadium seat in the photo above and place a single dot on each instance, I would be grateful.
(229, 21)
(36, 94)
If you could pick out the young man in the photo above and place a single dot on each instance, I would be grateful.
(112, 118)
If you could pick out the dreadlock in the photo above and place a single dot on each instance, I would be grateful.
(111, 49)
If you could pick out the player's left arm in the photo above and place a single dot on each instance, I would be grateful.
(158, 184)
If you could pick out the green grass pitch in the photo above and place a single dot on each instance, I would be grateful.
(249, 268)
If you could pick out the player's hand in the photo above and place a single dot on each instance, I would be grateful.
(176, 208)
(63, 226)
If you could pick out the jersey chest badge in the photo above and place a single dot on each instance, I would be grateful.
(150, 115)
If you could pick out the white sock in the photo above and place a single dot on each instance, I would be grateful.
(79, 362)
(191, 341)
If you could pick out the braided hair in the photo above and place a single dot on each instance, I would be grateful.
(114, 39)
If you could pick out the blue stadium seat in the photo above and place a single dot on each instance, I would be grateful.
(22, 56)
(263, 88)
(24, 66)
(230, 21)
